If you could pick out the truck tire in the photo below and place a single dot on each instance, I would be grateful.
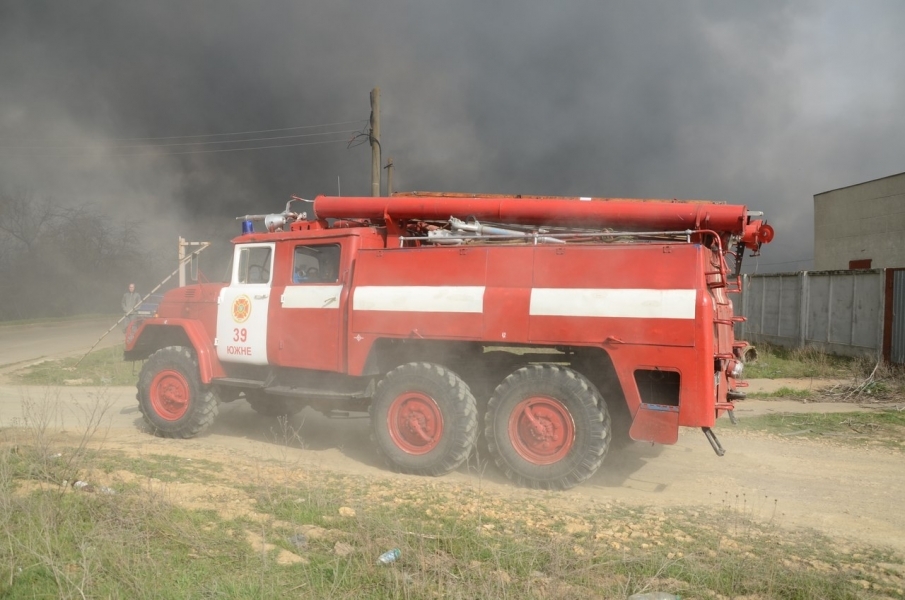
(423, 419)
(171, 397)
(483, 375)
(268, 405)
(547, 427)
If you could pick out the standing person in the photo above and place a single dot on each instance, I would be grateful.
(131, 300)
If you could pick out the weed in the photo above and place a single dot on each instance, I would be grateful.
(312, 533)
(883, 428)
(784, 392)
(868, 378)
(102, 368)
(775, 362)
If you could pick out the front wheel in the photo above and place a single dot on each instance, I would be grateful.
(547, 427)
(424, 419)
(171, 397)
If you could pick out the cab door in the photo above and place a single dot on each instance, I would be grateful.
(308, 324)
(243, 306)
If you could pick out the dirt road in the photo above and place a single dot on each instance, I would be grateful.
(845, 492)
(25, 343)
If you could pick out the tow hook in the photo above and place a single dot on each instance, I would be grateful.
(714, 443)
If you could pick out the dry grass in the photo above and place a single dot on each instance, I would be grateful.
(775, 362)
(168, 527)
(882, 428)
(865, 380)
(103, 367)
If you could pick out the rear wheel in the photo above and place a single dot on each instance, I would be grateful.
(547, 427)
(171, 397)
(424, 419)
(272, 406)
(483, 375)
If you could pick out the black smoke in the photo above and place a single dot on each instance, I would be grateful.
(763, 104)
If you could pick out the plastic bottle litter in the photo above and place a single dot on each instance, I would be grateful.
(389, 556)
(654, 596)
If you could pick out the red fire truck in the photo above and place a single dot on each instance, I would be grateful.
(547, 325)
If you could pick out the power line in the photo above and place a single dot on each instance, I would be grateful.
(242, 141)
(174, 137)
(149, 150)
(264, 139)
(202, 135)
(343, 141)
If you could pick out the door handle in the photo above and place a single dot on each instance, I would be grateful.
(260, 296)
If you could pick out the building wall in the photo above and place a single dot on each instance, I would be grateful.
(863, 221)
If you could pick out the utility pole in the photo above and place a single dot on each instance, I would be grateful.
(375, 142)
(389, 169)
(181, 254)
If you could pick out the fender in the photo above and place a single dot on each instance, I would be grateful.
(147, 336)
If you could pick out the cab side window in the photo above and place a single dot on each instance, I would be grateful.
(316, 264)
(254, 265)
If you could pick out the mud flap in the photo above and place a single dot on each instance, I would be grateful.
(656, 423)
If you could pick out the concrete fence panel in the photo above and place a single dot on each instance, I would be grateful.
(836, 311)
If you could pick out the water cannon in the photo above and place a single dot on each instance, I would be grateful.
(757, 232)
(274, 221)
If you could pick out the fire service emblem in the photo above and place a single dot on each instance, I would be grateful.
(241, 309)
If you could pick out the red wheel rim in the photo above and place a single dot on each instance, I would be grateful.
(415, 423)
(541, 430)
(170, 395)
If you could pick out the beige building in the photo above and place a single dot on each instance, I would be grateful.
(861, 226)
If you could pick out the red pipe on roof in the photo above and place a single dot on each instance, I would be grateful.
(616, 213)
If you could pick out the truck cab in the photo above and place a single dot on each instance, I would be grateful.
(286, 300)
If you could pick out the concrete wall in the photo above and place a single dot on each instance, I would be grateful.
(840, 312)
(861, 221)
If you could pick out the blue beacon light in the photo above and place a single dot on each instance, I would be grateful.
(247, 227)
